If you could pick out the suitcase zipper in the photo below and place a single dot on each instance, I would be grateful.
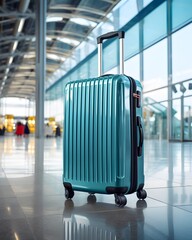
(134, 165)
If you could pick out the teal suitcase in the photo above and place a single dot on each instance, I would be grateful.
(103, 134)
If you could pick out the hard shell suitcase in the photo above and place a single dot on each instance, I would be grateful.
(103, 134)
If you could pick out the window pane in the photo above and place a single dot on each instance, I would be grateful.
(155, 25)
(131, 67)
(127, 12)
(181, 12)
(132, 41)
(176, 119)
(188, 118)
(83, 71)
(157, 96)
(146, 2)
(93, 67)
(155, 66)
(112, 71)
(182, 54)
(74, 76)
(110, 56)
(155, 119)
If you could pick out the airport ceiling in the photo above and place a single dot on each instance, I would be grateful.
(69, 22)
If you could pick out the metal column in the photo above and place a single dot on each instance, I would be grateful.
(169, 57)
(182, 118)
(41, 9)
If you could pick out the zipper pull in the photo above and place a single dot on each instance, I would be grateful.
(135, 95)
(138, 98)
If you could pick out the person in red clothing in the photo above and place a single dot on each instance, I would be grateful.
(19, 129)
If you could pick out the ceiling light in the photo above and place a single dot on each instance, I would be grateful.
(26, 66)
(69, 41)
(55, 57)
(14, 46)
(182, 88)
(29, 55)
(48, 39)
(174, 89)
(21, 23)
(22, 74)
(10, 60)
(54, 19)
(83, 22)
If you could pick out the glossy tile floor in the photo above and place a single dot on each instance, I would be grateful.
(33, 206)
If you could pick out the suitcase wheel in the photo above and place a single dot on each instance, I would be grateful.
(141, 194)
(120, 200)
(91, 199)
(69, 193)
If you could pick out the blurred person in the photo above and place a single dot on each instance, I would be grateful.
(19, 129)
(26, 130)
(58, 131)
(48, 130)
(2, 130)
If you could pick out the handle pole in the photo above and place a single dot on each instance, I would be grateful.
(120, 35)
(100, 56)
(121, 56)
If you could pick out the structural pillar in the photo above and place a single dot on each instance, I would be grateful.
(169, 57)
(41, 10)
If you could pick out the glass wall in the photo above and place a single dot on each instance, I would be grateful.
(155, 66)
(158, 52)
(132, 41)
(188, 118)
(182, 54)
(132, 66)
(181, 12)
(176, 119)
(155, 25)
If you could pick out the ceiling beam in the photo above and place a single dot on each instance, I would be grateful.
(59, 13)
(17, 15)
(80, 8)
(17, 38)
(64, 33)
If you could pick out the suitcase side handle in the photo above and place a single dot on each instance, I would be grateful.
(139, 148)
(120, 35)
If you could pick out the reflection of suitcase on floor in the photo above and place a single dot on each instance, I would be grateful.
(103, 135)
(99, 222)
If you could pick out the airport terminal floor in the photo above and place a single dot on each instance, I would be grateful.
(33, 206)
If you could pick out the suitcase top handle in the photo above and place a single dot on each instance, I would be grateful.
(120, 34)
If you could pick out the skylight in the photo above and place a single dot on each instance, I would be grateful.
(55, 57)
(54, 19)
(83, 22)
(69, 41)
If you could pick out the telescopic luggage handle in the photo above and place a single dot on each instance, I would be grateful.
(120, 35)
